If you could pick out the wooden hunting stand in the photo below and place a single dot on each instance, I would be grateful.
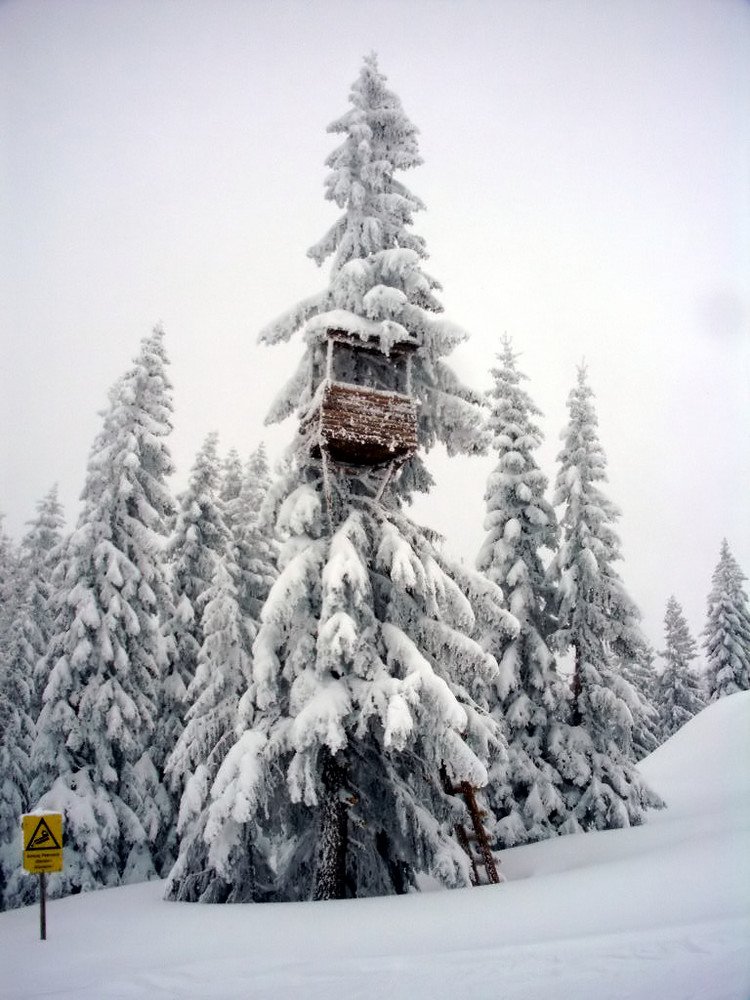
(357, 426)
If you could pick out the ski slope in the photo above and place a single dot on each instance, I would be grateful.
(660, 911)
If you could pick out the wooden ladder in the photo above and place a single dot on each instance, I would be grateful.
(482, 856)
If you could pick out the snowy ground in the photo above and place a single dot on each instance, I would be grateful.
(662, 911)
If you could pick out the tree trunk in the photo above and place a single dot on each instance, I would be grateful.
(577, 715)
(330, 877)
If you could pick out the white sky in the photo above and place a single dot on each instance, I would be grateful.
(587, 181)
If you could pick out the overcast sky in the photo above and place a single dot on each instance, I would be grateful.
(587, 182)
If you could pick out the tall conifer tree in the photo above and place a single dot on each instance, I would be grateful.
(8, 574)
(26, 620)
(222, 675)
(16, 724)
(532, 698)
(230, 484)
(678, 687)
(726, 637)
(255, 549)
(199, 542)
(93, 755)
(41, 547)
(230, 619)
(366, 681)
(16, 736)
(639, 671)
(598, 622)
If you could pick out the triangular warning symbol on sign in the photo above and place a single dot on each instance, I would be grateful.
(42, 839)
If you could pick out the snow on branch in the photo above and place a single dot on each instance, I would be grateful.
(300, 513)
(293, 394)
(321, 719)
(282, 328)
(421, 685)
(236, 786)
(337, 640)
(453, 605)
(461, 762)
(344, 570)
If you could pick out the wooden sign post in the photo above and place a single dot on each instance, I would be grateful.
(42, 853)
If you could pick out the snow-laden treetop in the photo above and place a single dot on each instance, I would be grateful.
(377, 288)
(379, 140)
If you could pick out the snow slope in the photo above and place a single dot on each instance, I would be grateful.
(661, 911)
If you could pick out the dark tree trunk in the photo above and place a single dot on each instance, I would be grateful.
(397, 870)
(330, 877)
(577, 715)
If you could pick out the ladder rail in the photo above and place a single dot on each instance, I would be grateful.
(478, 834)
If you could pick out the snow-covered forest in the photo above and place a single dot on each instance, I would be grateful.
(279, 686)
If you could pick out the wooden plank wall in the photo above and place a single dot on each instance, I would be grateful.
(364, 426)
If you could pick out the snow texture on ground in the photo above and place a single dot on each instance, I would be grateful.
(661, 911)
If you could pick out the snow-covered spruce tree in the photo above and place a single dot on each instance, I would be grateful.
(25, 629)
(40, 548)
(229, 624)
(94, 753)
(366, 682)
(598, 621)
(199, 542)
(678, 692)
(254, 547)
(230, 484)
(726, 637)
(8, 575)
(639, 671)
(16, 723)
(16, 736)
(222, 676)
(531, 697)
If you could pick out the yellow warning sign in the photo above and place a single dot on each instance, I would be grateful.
(42, 842)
